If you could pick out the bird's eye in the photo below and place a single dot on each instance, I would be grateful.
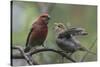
(58, 26)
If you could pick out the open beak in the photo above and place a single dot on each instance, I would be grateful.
(56, 24)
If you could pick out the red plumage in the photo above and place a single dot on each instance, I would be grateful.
(38, 32)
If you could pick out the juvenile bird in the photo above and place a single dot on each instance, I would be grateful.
(66, 39)
(38, 32)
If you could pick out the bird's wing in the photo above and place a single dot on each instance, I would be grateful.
(28, 36)
(64, 34)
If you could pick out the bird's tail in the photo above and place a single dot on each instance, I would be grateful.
(27, 49)
(84, 49)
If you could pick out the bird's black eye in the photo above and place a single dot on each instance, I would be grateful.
(58, 26)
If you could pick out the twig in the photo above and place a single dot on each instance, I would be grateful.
(89, 49)
(28, 56)
(23, 55)
(56, 51)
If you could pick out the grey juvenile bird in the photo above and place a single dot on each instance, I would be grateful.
(66, 38)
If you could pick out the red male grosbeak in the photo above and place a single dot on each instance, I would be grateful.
(38, 32)
(66, 38)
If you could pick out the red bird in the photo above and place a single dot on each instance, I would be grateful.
(38, 32)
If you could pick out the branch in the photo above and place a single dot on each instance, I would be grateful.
(23, 55)
(28, 56)
(89, 49)
(56, 51)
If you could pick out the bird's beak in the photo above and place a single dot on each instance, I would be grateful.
(56, 24)
(49, 17)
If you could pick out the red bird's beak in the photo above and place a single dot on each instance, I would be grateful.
(49, 17)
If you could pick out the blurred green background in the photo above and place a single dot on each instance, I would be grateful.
(25, 13)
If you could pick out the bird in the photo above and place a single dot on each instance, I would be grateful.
(38, 32)
(66, 38)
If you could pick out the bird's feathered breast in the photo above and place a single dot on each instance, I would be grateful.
(38, 34)
(40, 30)
(67, 42)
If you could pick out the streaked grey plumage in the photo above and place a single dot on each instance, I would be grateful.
(67, 41)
